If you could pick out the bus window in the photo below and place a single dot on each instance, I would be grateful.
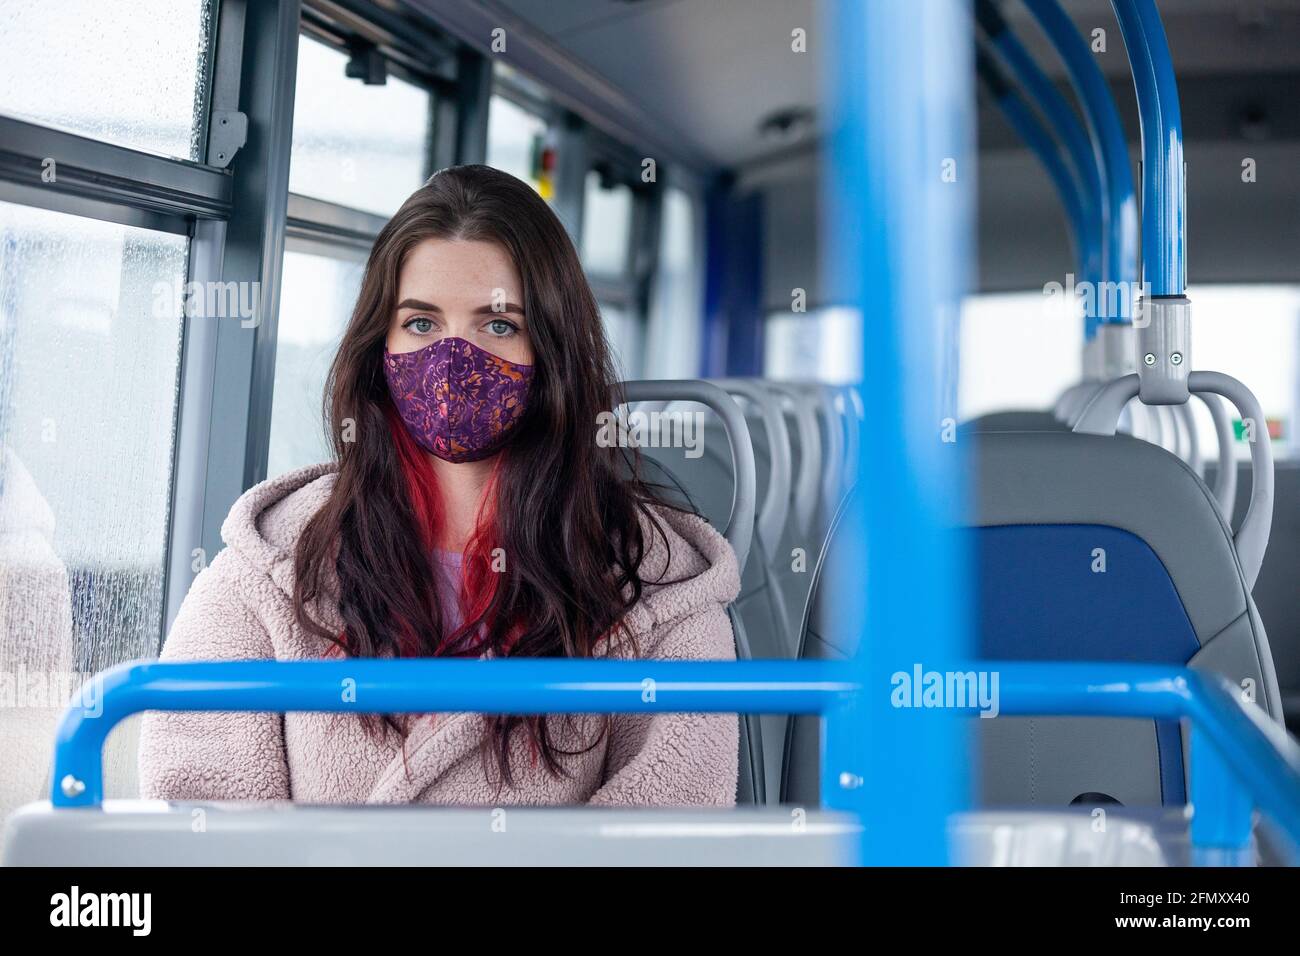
(822, 345)
(513, 137)
(1231, 323)
(316, 303)
(353, 144)
(90, 343)
(81, 66)
(606, 226)
(1035, 334)
(673, 338)
(625, 337)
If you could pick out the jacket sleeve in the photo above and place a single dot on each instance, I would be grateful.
(197, 755)
(671, 759)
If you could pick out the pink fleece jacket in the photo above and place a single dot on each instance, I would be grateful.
(241, 607)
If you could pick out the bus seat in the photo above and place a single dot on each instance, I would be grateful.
(1097, 548)
(729, 498)
(705, 483)
(1047, 508)
(1018, 420)
(1275, 592)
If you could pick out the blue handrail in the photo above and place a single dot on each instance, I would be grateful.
(1239, 758)
(1061, 117)
(1111, 152)
(522, 686)
(1084, 239)
(1164, 187)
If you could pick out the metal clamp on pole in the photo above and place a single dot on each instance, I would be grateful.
(1163, 349)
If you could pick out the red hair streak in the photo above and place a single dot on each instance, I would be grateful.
(479, 579)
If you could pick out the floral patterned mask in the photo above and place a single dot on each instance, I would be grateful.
(458, 401)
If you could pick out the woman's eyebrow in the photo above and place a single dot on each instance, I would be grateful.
(417, 304)
(500, 309)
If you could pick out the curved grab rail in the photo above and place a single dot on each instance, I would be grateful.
(1170, 433)
(833, 476)
(1225, 479)
(1251, 539)
(1109, 147)
(1192, 441)
(1085, 237)
(853, 412)
(1240, 758)
(774, 510)
(1074, 400)
(1064, 122)
(740, 526)
(810, 455)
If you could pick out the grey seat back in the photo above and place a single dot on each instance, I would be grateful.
(730, 506)
(704, 484)
(1086, 548)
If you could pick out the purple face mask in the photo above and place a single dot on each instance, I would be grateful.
(458, 401)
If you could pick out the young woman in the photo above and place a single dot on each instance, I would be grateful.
(470, 512)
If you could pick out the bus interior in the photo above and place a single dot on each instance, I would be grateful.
(973, 326)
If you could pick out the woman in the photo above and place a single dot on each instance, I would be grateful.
(471, 512)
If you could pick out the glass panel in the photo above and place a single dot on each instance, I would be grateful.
(674, 335)
(824, 345)
(514, 134)
(606, 227)
(128, 74)
(1019, 350)
(90, 342)
(315, 305)
(1230, 323)
(356, 145)
(623, 333)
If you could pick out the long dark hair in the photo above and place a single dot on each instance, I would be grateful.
(564, 512)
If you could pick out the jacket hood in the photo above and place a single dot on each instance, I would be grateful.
(688, 565)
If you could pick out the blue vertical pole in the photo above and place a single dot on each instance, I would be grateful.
(1061, 117)
(1107, 136)
(1164, 188)
(1085, 238)
(899, 180)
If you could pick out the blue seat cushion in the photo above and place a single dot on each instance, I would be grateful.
(1041, 596)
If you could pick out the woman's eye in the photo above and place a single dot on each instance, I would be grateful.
(420, 325)
(500, 327)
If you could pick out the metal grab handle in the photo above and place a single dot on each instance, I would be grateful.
(1225, 482)
(774, 511)
(740, 525)
(810, 455)
(1187, 425)
(1074, 400)
(853, 413)
(833, 476)
(1175, 442)
(1251, 540)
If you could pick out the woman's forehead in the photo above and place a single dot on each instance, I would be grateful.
(455, 269)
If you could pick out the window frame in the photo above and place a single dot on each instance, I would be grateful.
(239, 223)
(235, 207)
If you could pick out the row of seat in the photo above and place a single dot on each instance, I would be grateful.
(805, 439)
(1048, 501)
